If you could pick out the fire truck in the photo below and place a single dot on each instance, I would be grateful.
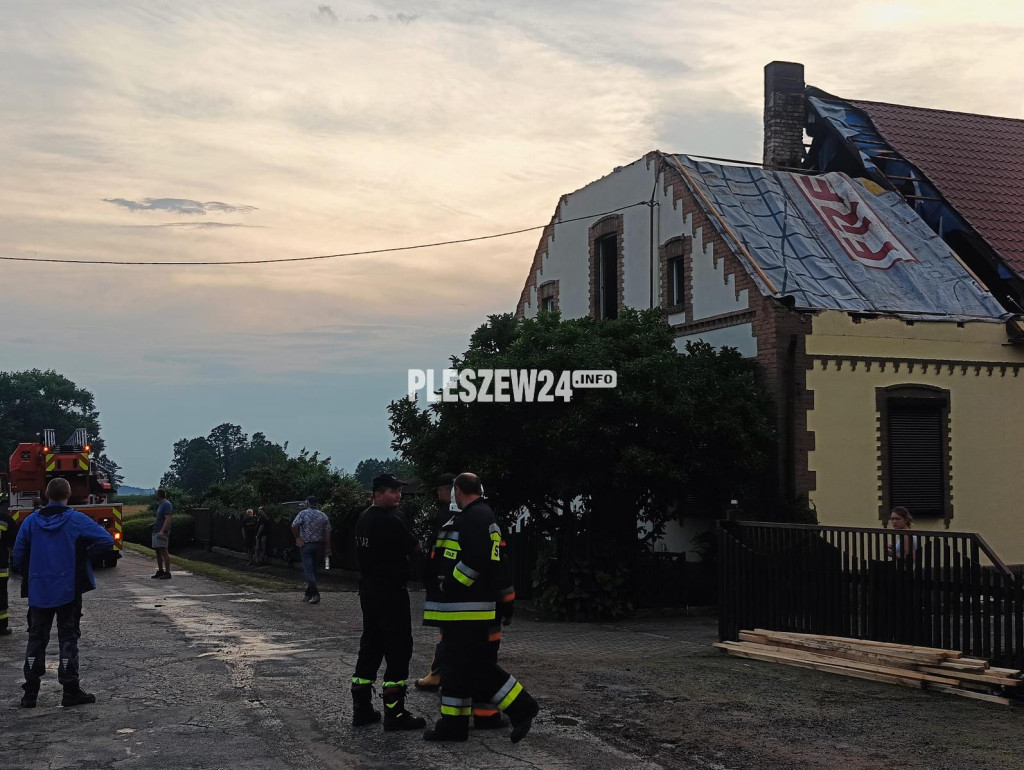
(33, 465)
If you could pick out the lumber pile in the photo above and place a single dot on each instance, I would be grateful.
(926, 668)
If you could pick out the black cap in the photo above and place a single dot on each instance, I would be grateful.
(444, 480)
(387, 481)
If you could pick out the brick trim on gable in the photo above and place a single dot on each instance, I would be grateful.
(610, 225)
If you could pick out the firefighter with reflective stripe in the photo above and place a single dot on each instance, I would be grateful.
(7, 533)
(486, 715)
(384, 546)
(443, 490)
(467, 565)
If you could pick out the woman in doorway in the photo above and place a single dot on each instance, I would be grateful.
(905, 547)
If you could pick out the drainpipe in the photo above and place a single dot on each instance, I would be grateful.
(651, 205)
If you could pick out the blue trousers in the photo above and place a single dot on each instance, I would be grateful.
(312, 554)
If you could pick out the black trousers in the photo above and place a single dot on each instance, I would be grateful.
(5, 610)
(470, 673)
(40, 620)
(387, 634)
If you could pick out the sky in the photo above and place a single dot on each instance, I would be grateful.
(195, 131)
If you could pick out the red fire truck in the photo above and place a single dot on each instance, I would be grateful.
(33, 465)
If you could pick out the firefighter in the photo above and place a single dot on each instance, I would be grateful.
(384, 546)
(7, 533)
(431, 682)
(461, 601)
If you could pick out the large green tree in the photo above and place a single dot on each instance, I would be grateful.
(691, 425)
(33, 400)
(366, 470)
(222, 456)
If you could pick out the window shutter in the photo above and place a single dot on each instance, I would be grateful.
(916, 457)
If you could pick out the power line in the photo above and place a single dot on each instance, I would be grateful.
(319, 256)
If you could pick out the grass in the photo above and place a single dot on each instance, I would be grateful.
(218, 572)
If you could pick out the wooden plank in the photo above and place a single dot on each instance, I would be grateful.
(878, 658)
(1010, 672)
(969, 694)
(966, 676)
(785, 654)
(811, 642)
(831, 669)
(959, 665)
(957, 654)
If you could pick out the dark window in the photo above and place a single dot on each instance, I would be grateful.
(547, 305)
(608, 277)
(914, 422)
(676, 286)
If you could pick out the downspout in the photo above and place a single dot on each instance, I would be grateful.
(651, 205)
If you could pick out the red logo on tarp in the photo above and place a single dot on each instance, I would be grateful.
(864, 239)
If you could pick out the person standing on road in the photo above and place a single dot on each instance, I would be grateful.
(162, 535)
(461, 600)
(431, 681)
(7, 532)
(384, 547)
(249, 526)
(312, 531)
(262, 536)
(52, 553)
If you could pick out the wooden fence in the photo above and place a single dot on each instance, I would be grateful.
(936, 589)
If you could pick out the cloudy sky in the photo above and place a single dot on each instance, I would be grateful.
(189, 130)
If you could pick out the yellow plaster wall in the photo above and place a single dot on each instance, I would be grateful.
(986, 422)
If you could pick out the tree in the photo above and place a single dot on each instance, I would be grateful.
(224, 455)
(34, 400)
(371, 467)
(677, 425)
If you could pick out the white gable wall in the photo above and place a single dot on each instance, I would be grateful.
(568, 255)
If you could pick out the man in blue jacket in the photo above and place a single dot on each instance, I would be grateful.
(52, 553)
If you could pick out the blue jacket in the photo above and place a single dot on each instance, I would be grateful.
(52, 553)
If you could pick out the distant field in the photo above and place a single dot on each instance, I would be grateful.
(134, 510)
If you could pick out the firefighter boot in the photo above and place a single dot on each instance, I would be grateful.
(395, 715)
(28, 700)
(363, 712)
(520, 713)
(76, 696)
(449, 728)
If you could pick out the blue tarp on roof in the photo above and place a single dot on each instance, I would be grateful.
(829, 243)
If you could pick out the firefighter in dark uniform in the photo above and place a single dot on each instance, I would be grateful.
(7, 533)
(384, 547)
(461, 601)
(442, 489)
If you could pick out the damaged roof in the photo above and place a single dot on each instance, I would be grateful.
(826, 242)
(976, 161)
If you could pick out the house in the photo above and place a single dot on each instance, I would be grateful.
(877, 299)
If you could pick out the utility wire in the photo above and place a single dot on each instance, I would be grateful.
(320, 256)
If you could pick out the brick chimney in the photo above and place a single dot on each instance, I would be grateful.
(783, 115)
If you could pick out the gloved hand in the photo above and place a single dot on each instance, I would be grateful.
(505, 611)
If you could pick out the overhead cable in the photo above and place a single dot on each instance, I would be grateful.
(279, 260)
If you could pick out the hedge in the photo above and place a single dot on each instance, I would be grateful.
(139, 529)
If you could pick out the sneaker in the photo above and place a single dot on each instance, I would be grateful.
(159, 574)
(164, 576)
(314, 599)
(28, 700)
(430, 683)
(6, 632)
(77, 698)
(305, 598)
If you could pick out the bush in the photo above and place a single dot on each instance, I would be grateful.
(139, 529)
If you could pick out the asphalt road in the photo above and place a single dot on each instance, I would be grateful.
(196, 673)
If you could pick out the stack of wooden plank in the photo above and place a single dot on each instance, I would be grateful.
(929, 668)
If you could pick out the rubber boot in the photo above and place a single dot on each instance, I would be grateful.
(431, 682)
(487, 719)
(76, 696)
(521, 713)
(28, 700)
(396, 717)
(363, 712)
(448, 729)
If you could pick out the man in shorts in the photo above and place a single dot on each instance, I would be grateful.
(161, 535)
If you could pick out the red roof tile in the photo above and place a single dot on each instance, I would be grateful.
(976, 161)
